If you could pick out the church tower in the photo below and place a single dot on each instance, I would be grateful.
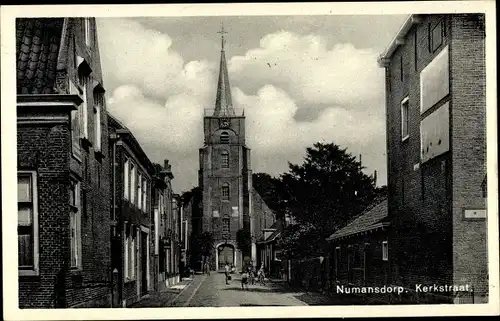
(225, 173)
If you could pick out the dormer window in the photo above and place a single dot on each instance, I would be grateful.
(224, 138)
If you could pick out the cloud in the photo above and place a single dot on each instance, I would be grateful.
(311, 72)
(161, 97)
(143, 57)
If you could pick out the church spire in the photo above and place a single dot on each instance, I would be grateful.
(223, 101)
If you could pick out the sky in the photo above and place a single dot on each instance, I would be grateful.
(299, 79)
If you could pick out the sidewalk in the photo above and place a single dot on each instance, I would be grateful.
(164, 298)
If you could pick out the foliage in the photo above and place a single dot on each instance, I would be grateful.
(322, 195)
(268, 187)
(203, 244)
(244, 241)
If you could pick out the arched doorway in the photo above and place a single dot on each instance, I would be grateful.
(225, 255)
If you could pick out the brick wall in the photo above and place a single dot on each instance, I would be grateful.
(468, 119)
(430, 239)
(377, 270)
(413, 219)
(47, 149)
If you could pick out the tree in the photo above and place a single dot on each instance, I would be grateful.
(204, 244)
(322, 195)
(268, 188)
(244, 241)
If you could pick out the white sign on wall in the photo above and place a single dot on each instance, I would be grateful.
(435, 81)
(215, 213)
(475, 213)
(235, 211)
(435, 133)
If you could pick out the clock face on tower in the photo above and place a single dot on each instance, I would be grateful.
(224, 123)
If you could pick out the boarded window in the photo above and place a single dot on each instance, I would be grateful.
(434, 81)
(434, 134)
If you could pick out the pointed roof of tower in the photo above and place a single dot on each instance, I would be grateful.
(223, 101)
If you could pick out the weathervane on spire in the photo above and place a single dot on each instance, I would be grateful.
(222, 32)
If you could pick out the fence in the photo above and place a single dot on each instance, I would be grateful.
(310, 274)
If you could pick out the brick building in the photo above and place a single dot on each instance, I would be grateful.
(192, 213)
(131, 214)
(359, 251)
(177, 261)
(63, 185)
(225, 177)
(436, 147)
(162, 212)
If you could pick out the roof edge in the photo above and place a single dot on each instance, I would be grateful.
(398, 40)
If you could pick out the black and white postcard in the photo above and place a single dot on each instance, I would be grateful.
(275, 160)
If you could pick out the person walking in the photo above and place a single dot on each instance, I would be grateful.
(226, 272)
(207, 268)
(251, 274)
(261, 276)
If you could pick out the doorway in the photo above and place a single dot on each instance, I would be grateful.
(225, 255)
(144, 263)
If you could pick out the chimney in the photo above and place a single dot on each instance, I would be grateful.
(375, 177)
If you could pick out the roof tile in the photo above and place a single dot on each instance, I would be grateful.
(365, 221)
(38, 41)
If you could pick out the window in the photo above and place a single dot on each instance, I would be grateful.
(224, 138)
(126, 173)
(385, 251)
(130, 253)
(404, 119)
(76, 123)
(139, 191)
(75, 225)
(225, 192)
(27, 222)
(84, 106)
(133, 186)
(337, 260)
(98, 102)
(87, 32)
(436, 36)
(133, 253)
(225, 226)
(225, 159)
(415, 50)
(144, 195)
(484, 187)
(401, 67)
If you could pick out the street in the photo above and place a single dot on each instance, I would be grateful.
(212, 291)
